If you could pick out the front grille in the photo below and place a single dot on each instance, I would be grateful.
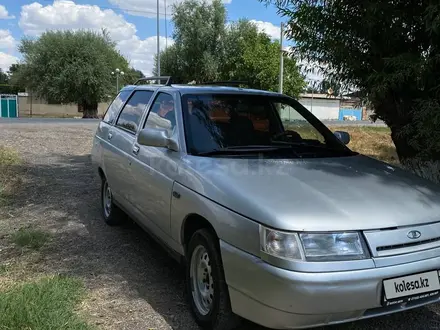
(395, 241)
(404, 245)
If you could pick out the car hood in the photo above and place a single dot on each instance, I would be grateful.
(344, 193)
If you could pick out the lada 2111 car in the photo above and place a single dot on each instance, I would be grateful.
(277, 221)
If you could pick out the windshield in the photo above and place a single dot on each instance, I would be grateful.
(236, 124)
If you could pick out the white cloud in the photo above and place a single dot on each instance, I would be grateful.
(272, 30)
(147, 8)
(6, 61)
(4, 13)
(7, 41)
(66, 15)
(141, 52)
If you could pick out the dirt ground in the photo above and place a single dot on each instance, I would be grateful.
(131, 282)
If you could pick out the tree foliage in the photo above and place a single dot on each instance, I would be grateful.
(71, 67)
(326, 86)
(251, 55)
(3, 77)
(208, 49)
(389, 49)
(7, 85)
(198, 35)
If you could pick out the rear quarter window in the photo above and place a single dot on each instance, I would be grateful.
(113, 109)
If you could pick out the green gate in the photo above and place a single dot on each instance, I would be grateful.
(8, 106)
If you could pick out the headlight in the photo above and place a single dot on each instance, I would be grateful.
(313, 246)
(333, 246)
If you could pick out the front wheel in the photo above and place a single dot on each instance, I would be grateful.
(206, 287)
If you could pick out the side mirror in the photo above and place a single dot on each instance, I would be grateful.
(156, 137)
(343, 136)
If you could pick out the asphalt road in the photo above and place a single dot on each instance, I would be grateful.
(70, 121)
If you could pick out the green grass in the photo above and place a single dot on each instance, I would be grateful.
(47, 304)
(30, 238)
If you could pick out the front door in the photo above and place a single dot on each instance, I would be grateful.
(156, 168)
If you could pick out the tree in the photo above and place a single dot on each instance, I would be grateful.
(71, 67)
(205, 49)
(13, 84)
(3, 77)
(327, 86)
(198, 33)
(4, 86)
(389, 50)
(312, 89)
(251, 55)
(7, 85)
(131, 76)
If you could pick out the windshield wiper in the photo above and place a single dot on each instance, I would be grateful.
(237, 150)
(316, 146)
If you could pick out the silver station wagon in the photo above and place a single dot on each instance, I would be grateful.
(277, 221)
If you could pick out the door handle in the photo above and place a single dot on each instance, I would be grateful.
(110, 135)
(135, 149)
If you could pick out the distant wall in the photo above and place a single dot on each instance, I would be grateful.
(42, 108)
(323, 108)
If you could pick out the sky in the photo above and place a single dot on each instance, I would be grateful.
(131, 23)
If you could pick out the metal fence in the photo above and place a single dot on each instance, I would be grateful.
(8, 106)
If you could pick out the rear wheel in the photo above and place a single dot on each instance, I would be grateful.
(206, 287)
(111, 213)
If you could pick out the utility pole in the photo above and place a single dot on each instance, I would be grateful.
(313, 92)
(166, 27)
(281, 60)
(158, 42)
(30, 109)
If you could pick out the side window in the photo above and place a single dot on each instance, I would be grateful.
(130, 116)
(115, 106)
(162, 113)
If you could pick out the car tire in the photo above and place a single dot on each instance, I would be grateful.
(111, 213)
(208, 299)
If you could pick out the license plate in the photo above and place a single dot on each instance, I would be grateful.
(412, 287)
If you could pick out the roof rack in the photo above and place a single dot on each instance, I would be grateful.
(233, 83)
(159, 78)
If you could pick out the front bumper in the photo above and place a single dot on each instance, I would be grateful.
(284, 299)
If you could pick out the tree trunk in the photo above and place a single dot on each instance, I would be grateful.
(426, 169)
(411, 159)
(90, 109)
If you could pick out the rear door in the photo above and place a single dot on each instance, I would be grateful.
(105, 130)
(121, 138)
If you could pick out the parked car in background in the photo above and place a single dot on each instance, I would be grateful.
(283, 226)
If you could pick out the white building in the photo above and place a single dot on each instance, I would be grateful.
(321, 105)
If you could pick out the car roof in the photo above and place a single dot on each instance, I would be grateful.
(190, 89)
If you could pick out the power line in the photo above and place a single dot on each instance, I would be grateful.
(153, 12)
